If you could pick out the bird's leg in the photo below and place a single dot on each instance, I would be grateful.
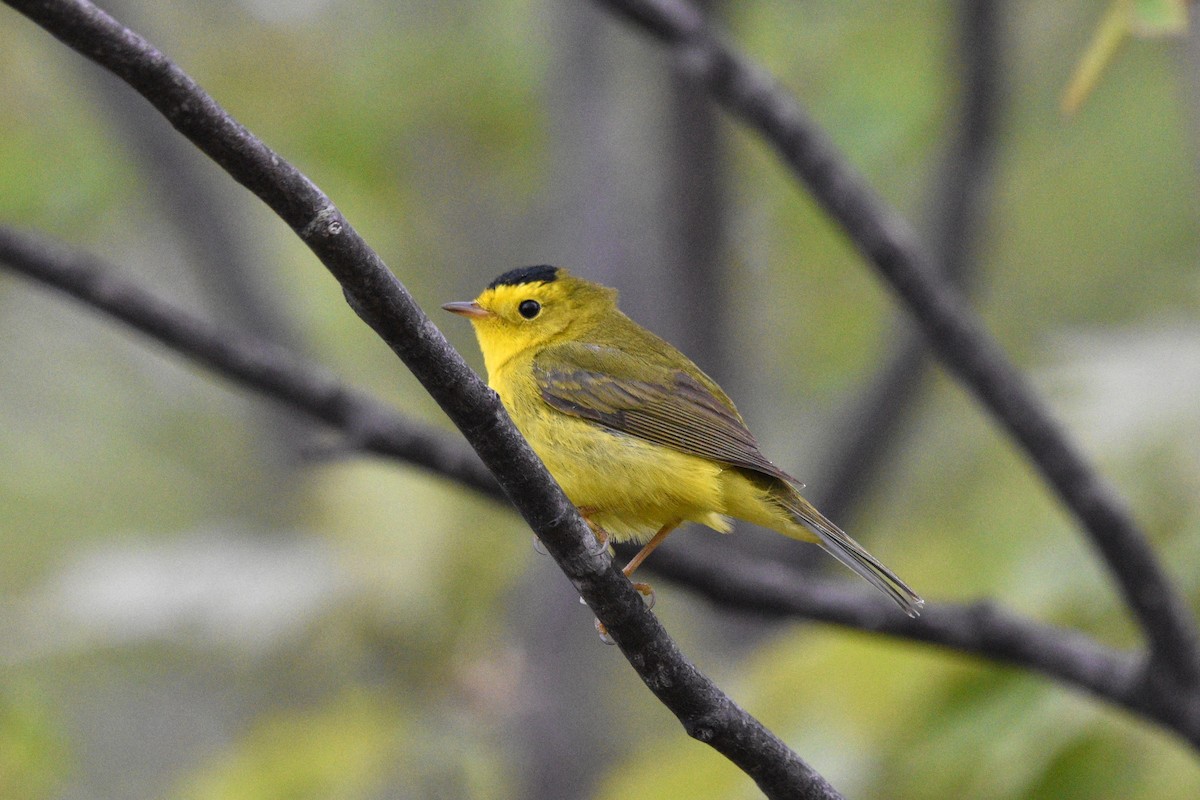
(649, 548)
(645, 589)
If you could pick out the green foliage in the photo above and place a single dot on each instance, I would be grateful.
(353, 747)
(339, 751)
(33, 756)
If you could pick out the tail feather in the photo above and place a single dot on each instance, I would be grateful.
(835, 542)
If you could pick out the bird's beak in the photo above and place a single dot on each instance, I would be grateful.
(467, 309)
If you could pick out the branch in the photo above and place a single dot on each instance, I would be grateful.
(1118, 671)
(248, 360)
(953, 330)
(380, 300)
(692, 273)
(205, 219)
(957, 215)
(983, 629)
(768, 587)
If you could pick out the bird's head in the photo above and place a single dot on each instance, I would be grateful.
(533, 307)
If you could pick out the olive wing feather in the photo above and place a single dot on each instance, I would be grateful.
(688, 413)
(663, 404)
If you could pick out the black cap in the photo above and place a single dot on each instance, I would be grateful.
(543, 273)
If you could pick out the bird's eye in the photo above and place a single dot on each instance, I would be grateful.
(529, 308)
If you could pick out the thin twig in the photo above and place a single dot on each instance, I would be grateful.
(954, 331)
(378, 297)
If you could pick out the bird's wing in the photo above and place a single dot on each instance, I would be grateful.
(664, 405)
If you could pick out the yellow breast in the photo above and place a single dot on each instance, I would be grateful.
(630, 487)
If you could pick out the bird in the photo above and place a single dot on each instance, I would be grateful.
(638, 437)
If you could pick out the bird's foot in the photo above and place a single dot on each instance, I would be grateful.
(601, 546)
(603, 632)
(647, 593)
(601, 535)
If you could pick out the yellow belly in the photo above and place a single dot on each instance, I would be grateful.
(629, 486)
(632, 487)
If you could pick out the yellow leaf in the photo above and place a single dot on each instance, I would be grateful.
(1141, 18)
(1114, 29)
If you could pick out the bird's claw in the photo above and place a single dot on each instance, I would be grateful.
(600, 548)
(603, 632)
(647, 593)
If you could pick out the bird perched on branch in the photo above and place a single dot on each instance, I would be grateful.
(637, 436)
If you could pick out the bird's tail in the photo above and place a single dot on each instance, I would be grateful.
(835, 542)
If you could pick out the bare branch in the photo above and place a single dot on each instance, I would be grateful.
(377, 296)
(207, 224)
(953, 330)
(957, 217)
(248, 360)
(982, 629)
(985, 630)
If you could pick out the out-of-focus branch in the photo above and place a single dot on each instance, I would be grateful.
(983, 629)
(954, 332)
(248, 360)
(207, 224)
(584, 206)
(1189, 85)
(694, 221)
(957, 218)
(705, 712)
(764, 587)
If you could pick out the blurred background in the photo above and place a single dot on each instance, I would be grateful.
(196, 603)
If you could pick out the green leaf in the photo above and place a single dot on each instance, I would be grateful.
(1158, 17)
